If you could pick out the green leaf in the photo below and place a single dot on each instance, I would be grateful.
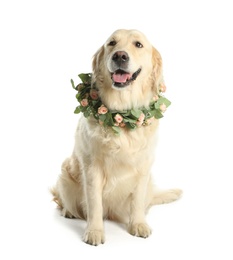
(126, 113)
(116, 129)
(150, 114)
(158, 114)
(167, 102)
(86, 113)
(163, 100)
(72, 83)
(117, 112)
(109, 119)
(83, 91)
(136, 113)
(132, 125)
(129, 120)
(78, 96)
(85, 77)
(94, 102)
(102, 117)
(157, 105)
(77, 110)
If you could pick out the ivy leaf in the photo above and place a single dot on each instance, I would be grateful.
(77, 110)
(151, 113)
(116, 130)
(125, 113)
(132, 125)
(109, 119)
(94, 102)
(157, 104)
(129, 120)
(165, 101)
(72, 83)
(158, 114)
(85, 77)
(102, 117)
(136, 113)
(77, 96)
(86, 113)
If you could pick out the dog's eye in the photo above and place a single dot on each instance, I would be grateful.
(138, 45)
(112, 43)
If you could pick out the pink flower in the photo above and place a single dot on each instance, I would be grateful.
(102, 110)
(94, 94)
(163, 88)
(163, 108)
(141, 117)
(155, 98)
(118, 118)
(139, 123)
(140, 120)
(84, 102)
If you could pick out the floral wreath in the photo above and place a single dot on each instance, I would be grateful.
(91, 105)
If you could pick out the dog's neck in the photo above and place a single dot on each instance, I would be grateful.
(92, 105)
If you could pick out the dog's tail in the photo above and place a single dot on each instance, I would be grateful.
(56, 197)
(166, 196)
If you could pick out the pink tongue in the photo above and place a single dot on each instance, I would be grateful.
(121, 78)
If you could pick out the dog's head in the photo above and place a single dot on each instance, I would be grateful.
(127, 70)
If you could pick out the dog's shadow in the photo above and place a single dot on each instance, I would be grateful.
(78, 225)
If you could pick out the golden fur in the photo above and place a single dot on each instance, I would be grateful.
(108, 176)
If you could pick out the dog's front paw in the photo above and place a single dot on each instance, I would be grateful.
(94, 237)
(139, 230)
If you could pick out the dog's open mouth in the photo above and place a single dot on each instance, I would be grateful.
(122, 78)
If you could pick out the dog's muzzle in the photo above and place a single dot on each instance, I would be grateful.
(121, 77)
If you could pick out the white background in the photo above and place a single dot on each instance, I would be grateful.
(46, 43)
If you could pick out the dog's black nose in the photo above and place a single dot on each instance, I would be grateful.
(120, 57)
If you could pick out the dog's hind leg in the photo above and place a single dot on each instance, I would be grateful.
(68, 193)
(56, 198)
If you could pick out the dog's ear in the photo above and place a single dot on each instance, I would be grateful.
(96, 62)
(157, 71)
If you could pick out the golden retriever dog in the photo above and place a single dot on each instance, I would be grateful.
(108, 175)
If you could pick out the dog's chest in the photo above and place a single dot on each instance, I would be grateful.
(129, 157)
(129, 149)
